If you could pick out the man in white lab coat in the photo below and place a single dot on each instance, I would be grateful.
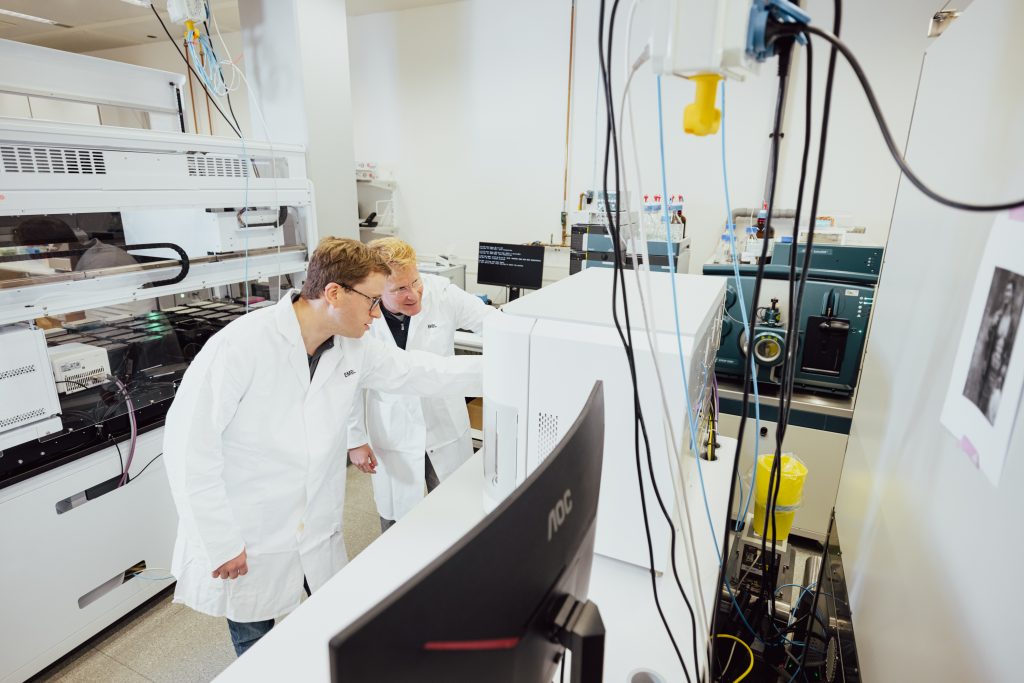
(255, 441)
(405, 441)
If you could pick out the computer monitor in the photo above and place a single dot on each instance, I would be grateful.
(516, 266)
(505, 601)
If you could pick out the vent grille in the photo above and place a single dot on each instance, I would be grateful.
(80, 381)
(17, 372)
(210, 166)
(547, 433)
(66, 160)
(22, 418)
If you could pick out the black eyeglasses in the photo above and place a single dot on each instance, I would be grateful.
(374, 300)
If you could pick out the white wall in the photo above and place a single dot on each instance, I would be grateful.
(930, 546)
(466, 103)
(468, 117)
(300, 73)
(162, 55)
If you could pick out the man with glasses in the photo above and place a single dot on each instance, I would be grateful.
(407, 442)
(256, 439)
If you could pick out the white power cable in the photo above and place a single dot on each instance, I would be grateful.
(675, 450)
(232, 85)
(236, 74)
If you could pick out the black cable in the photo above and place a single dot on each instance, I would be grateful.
(81, 415)
(619, 272)
(185, 59)
(77, 383)
(796, 299)
(213, 53)
(783, 70)
(784, 62)
(788, 369)
(796, 302)
(789, 29)
(144, 468)
(227, 93)
(611, 143)
(120, 458)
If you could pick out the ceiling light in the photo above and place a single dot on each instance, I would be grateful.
(139, 3)
(29, 17)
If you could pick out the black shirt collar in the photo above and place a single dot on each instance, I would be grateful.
(400, 317)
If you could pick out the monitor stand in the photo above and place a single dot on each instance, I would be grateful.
(513, 293)
(578, 626)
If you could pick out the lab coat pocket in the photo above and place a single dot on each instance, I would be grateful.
(250, 524)
(271, 578)
(389, 419)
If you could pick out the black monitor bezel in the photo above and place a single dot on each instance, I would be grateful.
(530, 285)
(593, 411)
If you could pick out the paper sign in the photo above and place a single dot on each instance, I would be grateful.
(988, 373)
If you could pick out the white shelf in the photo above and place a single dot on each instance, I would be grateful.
(80, 291)
(381, 229)
(388, 185)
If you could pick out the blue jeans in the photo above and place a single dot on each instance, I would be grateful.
(244, 634)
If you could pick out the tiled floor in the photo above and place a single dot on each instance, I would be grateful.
(169, 643)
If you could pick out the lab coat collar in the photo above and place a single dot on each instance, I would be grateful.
(328, 363)
(288, 326)
(416, 322)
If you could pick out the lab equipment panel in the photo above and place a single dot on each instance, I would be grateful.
(147, 352)
(830, 340)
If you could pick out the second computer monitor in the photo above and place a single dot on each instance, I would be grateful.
(517, 266)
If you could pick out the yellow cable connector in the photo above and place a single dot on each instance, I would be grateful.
(190, 30)
(701, 117)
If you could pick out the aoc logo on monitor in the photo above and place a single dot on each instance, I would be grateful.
(557, 515)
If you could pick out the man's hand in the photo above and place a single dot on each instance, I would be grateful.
(232, 569)
(363, 458)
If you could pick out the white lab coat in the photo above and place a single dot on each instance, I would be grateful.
(255, 454)
(401, 429)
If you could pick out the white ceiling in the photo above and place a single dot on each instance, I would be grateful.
(97, 24)
(357, 7)
(102, 24)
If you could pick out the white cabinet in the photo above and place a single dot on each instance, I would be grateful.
(66, 576)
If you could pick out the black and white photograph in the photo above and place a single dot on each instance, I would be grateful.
(993, 347)
(987, 379)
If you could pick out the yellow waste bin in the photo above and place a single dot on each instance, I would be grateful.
(791, 488)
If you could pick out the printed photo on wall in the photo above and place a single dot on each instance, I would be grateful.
(985, 388)
(993, 346)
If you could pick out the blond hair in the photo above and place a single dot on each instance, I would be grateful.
(342, 261)
(394, 252)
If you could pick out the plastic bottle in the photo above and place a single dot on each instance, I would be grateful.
(726, 249)
(762, 222)
(752, 245)
(677, 218)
